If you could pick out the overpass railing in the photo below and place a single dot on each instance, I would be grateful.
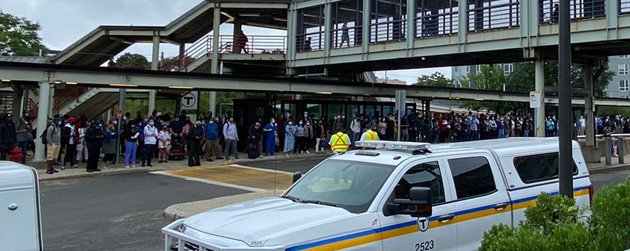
(389, 29)
(310, 41)
(624, 7)
(578, 9)
(431, 25)
(504, 15)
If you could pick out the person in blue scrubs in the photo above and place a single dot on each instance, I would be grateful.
(270, 137)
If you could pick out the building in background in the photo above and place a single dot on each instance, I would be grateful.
(390, 81)
(619, 86)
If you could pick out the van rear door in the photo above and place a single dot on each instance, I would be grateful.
(19, 208)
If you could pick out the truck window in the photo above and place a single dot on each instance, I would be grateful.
(539, 167)
(423, 175)
(472, 176)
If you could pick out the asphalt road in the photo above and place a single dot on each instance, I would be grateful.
(120, 212)
(600, 180)
(290, 165)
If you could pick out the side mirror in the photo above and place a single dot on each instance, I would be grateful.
(419, 204)
(296, 176)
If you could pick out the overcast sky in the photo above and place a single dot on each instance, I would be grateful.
(65, 21)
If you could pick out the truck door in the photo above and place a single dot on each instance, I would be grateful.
(403, 232)
(481, 197)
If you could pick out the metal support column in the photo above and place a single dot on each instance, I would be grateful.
(122, 95)
(462, 26)
(565, 119)
(540, 87)
(328, 34)
(155, 64)
(411, 26)
(51, 100)
(182, 57)
(24, 101)
(365, 40)
(588, 106)
(214, 60)
(291, 40)
(42, 119)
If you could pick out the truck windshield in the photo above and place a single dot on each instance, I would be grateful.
(350, 185)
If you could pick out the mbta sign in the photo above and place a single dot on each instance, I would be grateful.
(190, 100)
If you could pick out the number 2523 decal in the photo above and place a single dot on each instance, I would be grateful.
(423, 246)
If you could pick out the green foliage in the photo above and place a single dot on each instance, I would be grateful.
(489, 78)
(129, 60)
(18, 36)
(553, 225)
(611, 216)
(434, 80)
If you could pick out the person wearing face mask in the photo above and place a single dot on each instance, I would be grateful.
(195, 137)
(270, 137)
(230, 134)
(24, 136)
(110, 141)
(68, 135)
(299, 138)
(213, 150)
(94, 138)
(289, 137)
(253, 138)
(53, 144)
(150, 140)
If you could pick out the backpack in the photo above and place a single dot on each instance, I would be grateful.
(43, 136)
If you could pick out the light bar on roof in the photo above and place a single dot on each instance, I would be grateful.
(393, 145)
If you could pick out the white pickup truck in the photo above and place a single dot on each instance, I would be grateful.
(394, 196)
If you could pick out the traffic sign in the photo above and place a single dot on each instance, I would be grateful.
(190, 100)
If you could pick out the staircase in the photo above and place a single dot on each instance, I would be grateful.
(87, 94)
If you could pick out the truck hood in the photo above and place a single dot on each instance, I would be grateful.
(260, 221)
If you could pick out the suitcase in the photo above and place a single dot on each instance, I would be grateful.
(252, 150)
(177, 151)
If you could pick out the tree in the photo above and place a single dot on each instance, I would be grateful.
(18, 36)
(523, 78)
(135, 61)
(434, 80)
(488, 78)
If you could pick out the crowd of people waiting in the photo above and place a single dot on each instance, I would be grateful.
(70, 141)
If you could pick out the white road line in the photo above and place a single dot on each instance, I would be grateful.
(260, 169)
(252, 189)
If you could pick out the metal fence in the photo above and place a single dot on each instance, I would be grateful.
(431, 25)
(578, 9)
(624, 7)
(493, 15)
(388, 29)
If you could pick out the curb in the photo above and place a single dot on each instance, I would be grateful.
(184, 210)
(607, 169)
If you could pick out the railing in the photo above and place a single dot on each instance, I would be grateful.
(624, 7)
(494, 16)
(67, 95)
(253, 44)
(578, 9)
(313, 41)
(389, 30)
(346, 37)
(432, 25)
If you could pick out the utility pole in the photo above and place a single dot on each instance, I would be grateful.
(565, 119)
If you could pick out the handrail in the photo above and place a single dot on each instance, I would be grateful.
(613, 135)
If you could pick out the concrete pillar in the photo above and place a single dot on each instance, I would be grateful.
(329, 36)
(366, 27)
(42, 119)
(291, 40)
(411, 25)
(588, 106)
(213, 103)
(540, 87)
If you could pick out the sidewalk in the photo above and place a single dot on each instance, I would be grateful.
(184, 210)
(79, 172)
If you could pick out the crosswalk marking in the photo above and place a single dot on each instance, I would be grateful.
(236, 176)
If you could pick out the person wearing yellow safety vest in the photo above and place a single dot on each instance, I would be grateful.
(369, 135)
(339, 142)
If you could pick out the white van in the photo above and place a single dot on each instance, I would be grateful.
(395, 196)
(20, 217)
